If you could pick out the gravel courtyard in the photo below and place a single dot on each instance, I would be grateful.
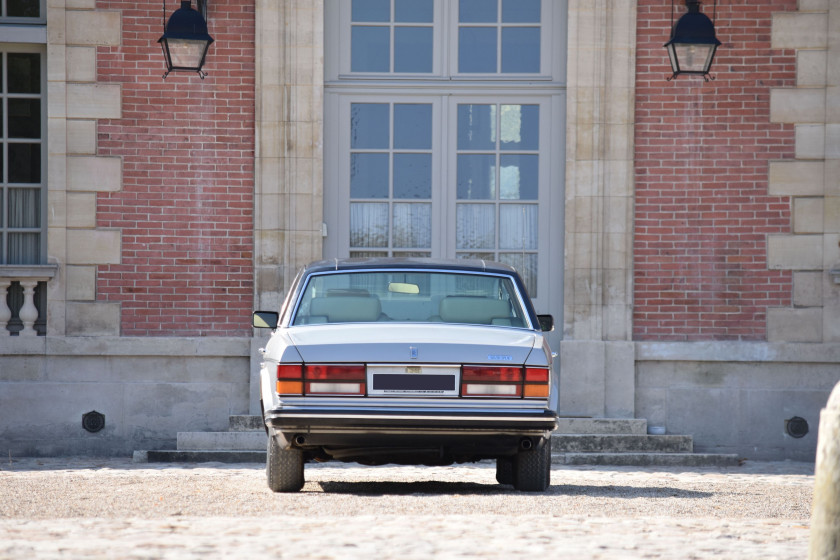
(113, 508)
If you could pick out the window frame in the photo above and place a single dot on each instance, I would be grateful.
(445, 42)
(5, 49)
(41, 20)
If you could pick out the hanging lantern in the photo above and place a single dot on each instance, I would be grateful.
(185, 40)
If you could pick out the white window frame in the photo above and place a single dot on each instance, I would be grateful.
(445, 35)
(42, 185)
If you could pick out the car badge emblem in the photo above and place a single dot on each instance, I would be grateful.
(413, 352)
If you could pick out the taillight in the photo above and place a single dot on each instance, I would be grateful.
(321, 379)
(500, 381)
(537, 383)
(290, 379)
(334, 379)
(491, 381)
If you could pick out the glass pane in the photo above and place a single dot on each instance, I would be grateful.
(478, 11)
(413, 225)
(24, 248)
(413, 176)
(475, 227)
(478, 256)
(24, 118)
(24, 73)
(370, 49)
(520, 11)
(369, 126)
(476, 127)
(412, 126)
(518, 226)
(412, 254)
(24, 208)
(371, 10)
(24, 163)
(520, 127)
(186, 53)
(369, 224)
(518, 177)
(526, 265)
(477, 50)
(23, 8)
(369, 175)
(413, 49)
(521, 50)
(476, 177)
(414, 11)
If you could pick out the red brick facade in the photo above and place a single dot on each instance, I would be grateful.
(703, 213)
(186, 207)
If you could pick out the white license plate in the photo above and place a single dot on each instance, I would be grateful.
(413, 380)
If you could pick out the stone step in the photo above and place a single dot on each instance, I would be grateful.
(622, 443)
(203, 456)
(601, 426)
(246, 423)
(647, 459)
(221, 441)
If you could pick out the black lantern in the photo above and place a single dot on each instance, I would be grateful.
(185, 40)
(693, 42)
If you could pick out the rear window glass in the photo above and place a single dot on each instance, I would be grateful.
(410, 296)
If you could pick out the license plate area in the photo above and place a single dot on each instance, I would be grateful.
(400, 380)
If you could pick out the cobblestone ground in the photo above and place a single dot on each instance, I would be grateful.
(112, 508)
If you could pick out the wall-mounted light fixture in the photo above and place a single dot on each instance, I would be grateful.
(185, 40)
(693, 42)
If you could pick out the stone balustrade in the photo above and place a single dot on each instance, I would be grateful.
(28, 277)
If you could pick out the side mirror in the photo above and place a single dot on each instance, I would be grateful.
(546, 322)
(266, 319)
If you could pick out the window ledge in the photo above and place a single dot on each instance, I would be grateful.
(40, 272)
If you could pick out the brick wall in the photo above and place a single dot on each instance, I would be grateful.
(702, 211)
(186, 205)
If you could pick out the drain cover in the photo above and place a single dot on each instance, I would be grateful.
(93, 421)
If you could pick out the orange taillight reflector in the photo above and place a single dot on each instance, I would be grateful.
(289, 387)
(536, 391)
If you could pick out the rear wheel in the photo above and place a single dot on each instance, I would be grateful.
(504, 470)
(532, 468)
(283, 467)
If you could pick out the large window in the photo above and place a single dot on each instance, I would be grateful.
(444, 131)
(22, 156)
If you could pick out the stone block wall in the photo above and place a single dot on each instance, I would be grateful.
(706, 215)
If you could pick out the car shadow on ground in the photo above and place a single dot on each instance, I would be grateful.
(430, 487)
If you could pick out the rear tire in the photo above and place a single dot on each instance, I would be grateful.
(532, 468)
(283, 467)
(504, 470)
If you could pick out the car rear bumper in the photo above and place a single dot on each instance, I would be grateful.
(366, 421)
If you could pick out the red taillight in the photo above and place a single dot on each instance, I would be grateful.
(289, 379)
(335, 379)
(537, 383)
(491, 381)
(505, 382)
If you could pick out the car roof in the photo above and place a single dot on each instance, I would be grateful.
(472, 265)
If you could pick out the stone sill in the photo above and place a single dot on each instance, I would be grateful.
(713, 351)
(40, 272)
(126, 346)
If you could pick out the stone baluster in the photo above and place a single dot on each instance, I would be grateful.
(5, 312)
(28, 312)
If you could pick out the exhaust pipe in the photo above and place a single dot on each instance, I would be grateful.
(300, 440)
(526, 444)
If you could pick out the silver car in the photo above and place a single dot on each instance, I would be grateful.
(408, 361)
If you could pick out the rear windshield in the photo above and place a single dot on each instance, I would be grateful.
(411, 296)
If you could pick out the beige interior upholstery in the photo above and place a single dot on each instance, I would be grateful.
(346, 309)
(473, 310)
